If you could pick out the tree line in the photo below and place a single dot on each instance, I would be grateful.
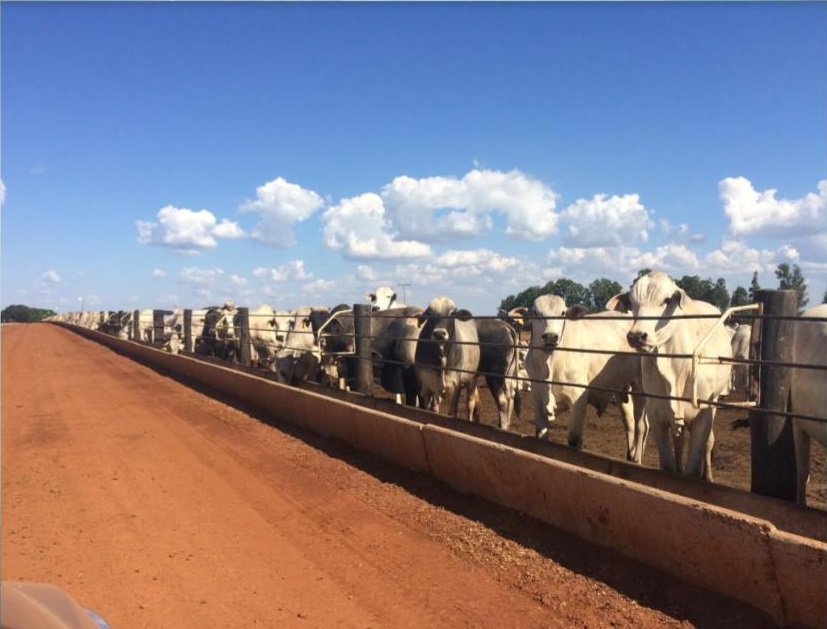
(597, 293)
(18, 313)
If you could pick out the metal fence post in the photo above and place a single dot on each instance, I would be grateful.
(364, 360)
(136, 325)
(244, 336)
(773, 454)
(189, 346)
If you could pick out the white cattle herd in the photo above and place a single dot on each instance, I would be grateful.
(636, 354)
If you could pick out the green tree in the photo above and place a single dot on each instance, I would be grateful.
(792, 279)
(602, 290)
(571, 292)
(694, 286)
(718, 295)
(18, 313)
(740, 297)
(753, 286)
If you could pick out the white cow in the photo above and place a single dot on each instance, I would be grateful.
(264, 343)
(447, 357)
(808, 391)
(556, 329)
(740, 341)
(384, 299)
(300, 357)
(654, 300)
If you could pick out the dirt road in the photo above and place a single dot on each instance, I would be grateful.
(161, 507)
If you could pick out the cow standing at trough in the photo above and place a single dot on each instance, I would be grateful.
(662, 339)
(808, 391)
(740, 343)
(557, 332)
(218, 332)
(499, 364)
(264, 342)
(299, 359)
(447, 357)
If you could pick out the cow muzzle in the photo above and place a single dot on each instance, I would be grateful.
(640, 341)
(550, 340)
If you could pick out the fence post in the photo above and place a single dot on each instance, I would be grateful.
(773, 453)
(189, 346)
(364, 359)
(136, 325)
(244, 336)
(157, 326)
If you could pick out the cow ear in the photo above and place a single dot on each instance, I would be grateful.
(463, 315)
(422, 318)
(371, 296)
(271, 323)
(620, 303)
(305, 323)
(393, 297)
(680, 298)
(576, 312)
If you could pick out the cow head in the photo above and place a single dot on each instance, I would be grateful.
(383, 298)
(547, 318)
(439, 319)
(653, 300)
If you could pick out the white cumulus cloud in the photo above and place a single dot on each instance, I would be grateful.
(51, 277)
(604, 221)
(185, 230)
(158, 273)
(751, 212)
(443, 208)
(289, 271)
(201, 277)
(359, 227)
(280, 205)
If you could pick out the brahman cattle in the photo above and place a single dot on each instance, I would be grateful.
(300, 357)
(664, 339)
(740, 344)
(561, 374)
(264, 343)
(447, 357)
(384, 299)
(218, 335)
(499, 364)
(808, 391)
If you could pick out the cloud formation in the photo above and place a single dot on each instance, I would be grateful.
(359, 228)
(289, 271)
(751, 212)
(280, 205)
(604, 221)
(185, 230)
(445, 208)
(50, 277)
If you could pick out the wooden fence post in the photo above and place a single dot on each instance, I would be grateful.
(773, 453)
(244, 336)
(157, 327)
(364, 360)
(189, 345)
(136, 325)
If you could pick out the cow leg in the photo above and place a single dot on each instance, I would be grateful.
(542, 400)
(499, 391)
(577, 419)
(629, 421)
(801, 439)
(700, 436)
(662, 432)
(641, 427)
(473, 402)
(453, 401)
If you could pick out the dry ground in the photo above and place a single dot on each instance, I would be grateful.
(161, 507)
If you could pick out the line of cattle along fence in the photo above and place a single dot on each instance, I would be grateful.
(769, 368)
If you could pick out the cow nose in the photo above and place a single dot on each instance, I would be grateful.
(440, 334)
(636, 339)
(550, 338)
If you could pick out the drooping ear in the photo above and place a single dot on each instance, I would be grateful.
(518, 315)
(371, 296)
(463, 315)
(271, 322)
(305, 323)
(576, 312)
(620, 303)
(680, 298)
(422, 318)
(393, 297)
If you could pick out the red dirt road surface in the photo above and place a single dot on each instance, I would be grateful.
(158, 506)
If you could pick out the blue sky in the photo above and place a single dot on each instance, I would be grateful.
(178, 154)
